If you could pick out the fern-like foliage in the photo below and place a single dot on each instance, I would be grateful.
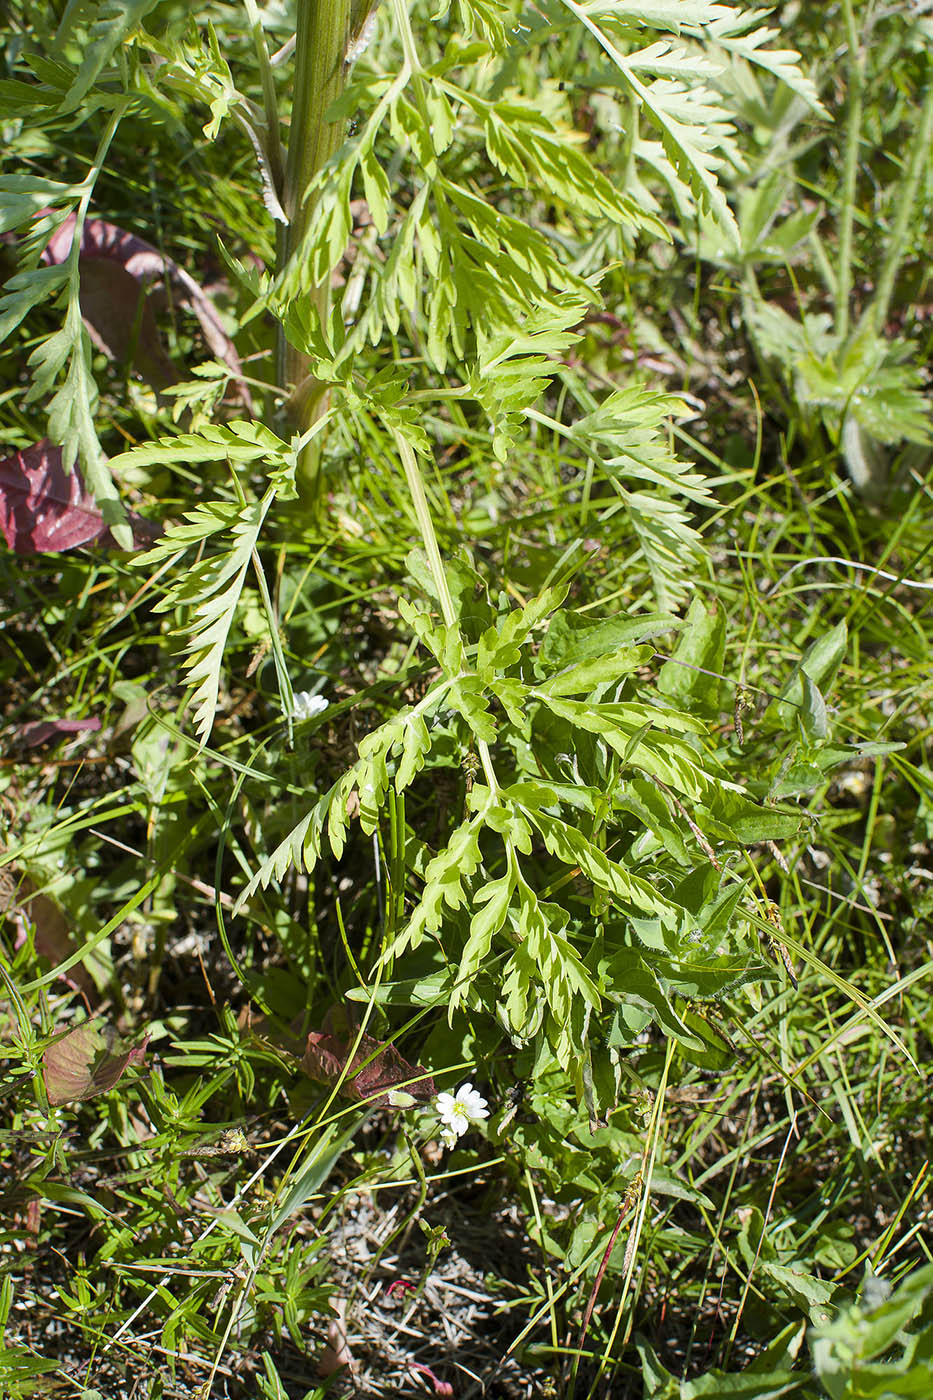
(484, 264)
(101, 33)
(654, 489)
(208, 592)
(479, 891)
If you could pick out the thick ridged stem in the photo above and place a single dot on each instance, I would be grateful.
(322, 37)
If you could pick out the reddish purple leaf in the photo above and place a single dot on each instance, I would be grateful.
(336, 1355)
(115, 265)
(326, 1055)
(85, 1062)
(24, 905)
(440, 1387)
(44, 510)
(31, 735)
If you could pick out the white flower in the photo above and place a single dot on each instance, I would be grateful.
(458, 1111)
(306, 705)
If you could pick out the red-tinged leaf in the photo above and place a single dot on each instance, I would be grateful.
(85, 1062)
(120, 319)
(114, 266)
(440, 1387)
(24, 906)
(326, 1055)
(44, 510)
(336, 1355)
(40, 730)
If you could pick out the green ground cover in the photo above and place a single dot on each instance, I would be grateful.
(466, 804)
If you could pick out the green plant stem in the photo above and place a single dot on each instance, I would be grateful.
(907, 197)
(323, 33)
(853, 138)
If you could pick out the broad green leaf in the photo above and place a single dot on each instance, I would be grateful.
(585, 676)
(633, 983)
(810, 1294)
(693, 677)
(719, 1385)
(820, 663)
(571, 639)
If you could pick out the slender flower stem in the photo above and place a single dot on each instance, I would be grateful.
(850, 172)
(426, 526)
(906, 199)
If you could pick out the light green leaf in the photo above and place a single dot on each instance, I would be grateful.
(210, 590)
(111, 27)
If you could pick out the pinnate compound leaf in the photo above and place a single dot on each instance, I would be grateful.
(443, 886)
(24, 197)
(550, 968)
(483, 17)
(692, 126)
(211, 590)
(32, 287)
(299, 850)
(416, 743)
(526, 146)
(572, 847)
(71, 412)
(113, 23)
(492, 902)
(783, 64)
(86, 1061)
(240, 442)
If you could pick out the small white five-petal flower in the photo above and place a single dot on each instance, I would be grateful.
(459, 1111)
(306, 705)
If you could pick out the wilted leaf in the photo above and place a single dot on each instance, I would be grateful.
(86, 1062)
(115, 269)
(44, 510)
